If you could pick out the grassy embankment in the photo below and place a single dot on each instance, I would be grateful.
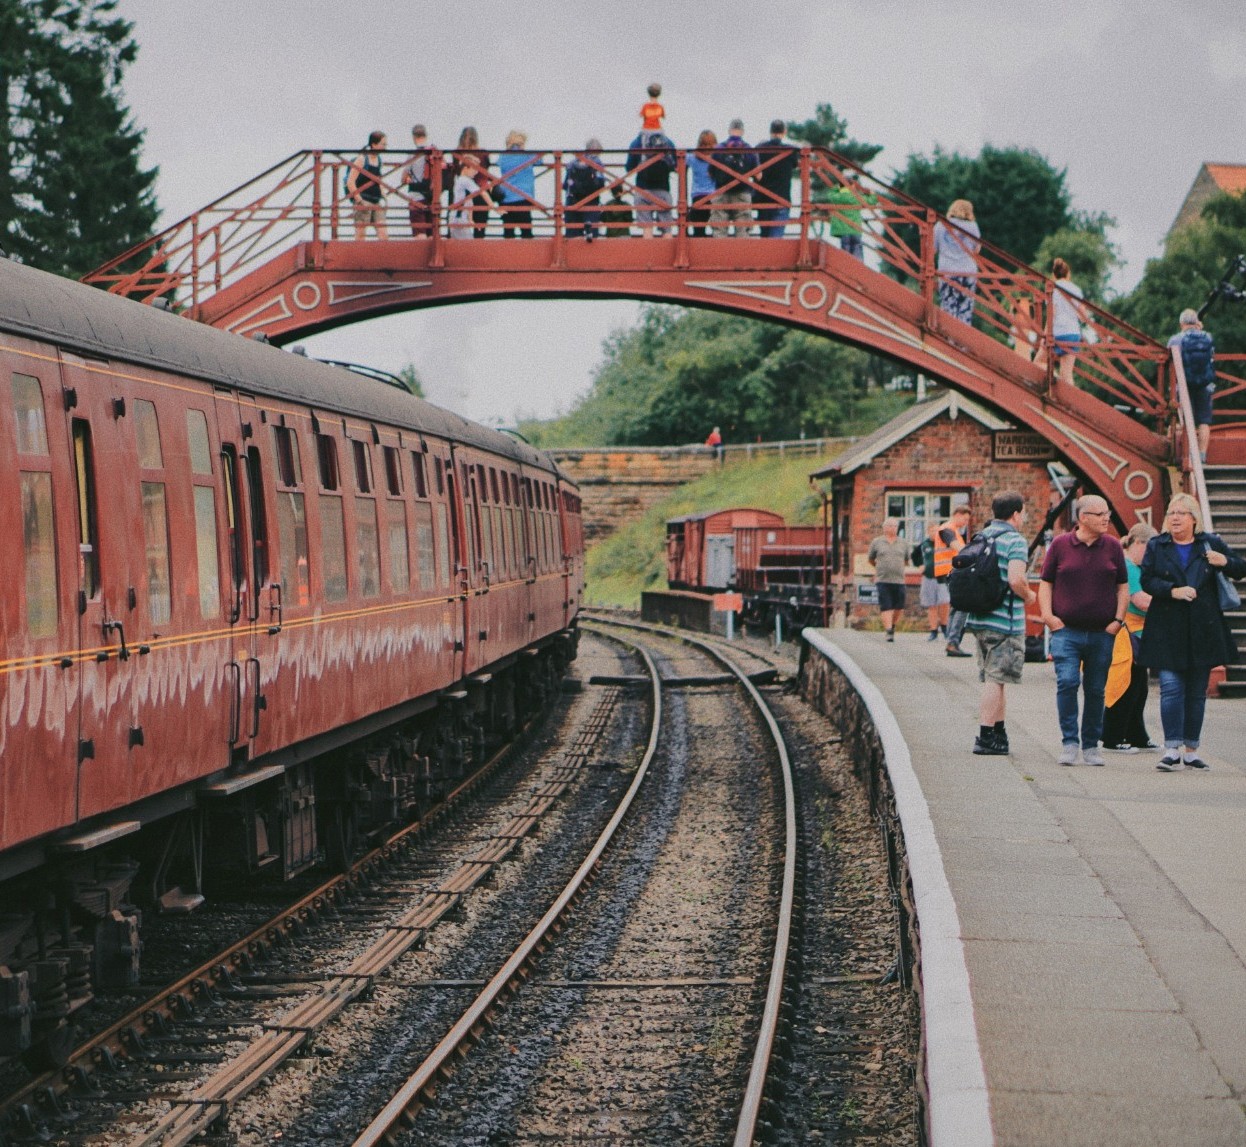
(634, 559)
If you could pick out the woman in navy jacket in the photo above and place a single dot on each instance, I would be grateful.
(1185, 634)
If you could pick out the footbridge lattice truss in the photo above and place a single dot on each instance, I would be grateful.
(279, 256)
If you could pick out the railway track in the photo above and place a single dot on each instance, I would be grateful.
(725, 1007)
(234, 1012)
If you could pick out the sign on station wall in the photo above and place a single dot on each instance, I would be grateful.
(1020, 446)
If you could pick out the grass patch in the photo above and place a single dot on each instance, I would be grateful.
(634, 558)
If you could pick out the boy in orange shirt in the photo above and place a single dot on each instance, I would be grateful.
(652, 112)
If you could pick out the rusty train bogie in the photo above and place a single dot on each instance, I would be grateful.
(257, 610)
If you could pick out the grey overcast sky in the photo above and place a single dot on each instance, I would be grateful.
(1129, 95)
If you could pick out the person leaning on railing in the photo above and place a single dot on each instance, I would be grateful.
(1198, 360)
(956, 250)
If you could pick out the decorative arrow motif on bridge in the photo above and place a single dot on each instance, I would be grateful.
(764, 290)
(879, 324)
(351, 290)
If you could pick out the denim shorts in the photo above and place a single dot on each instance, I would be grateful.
(1200, 399)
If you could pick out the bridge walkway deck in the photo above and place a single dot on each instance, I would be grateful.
(1102, 911)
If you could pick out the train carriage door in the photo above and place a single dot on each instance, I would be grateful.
(38, 614)
(104, 468)
(244, 699)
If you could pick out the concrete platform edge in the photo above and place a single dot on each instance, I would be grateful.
(959, 1104)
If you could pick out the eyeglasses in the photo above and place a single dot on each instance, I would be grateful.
(1096, 513)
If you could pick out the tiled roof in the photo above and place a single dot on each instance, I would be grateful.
(1229, 177)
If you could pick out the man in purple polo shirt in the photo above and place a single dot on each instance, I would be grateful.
(1083, 597)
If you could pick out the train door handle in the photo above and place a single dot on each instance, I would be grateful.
(484, 567)
(276, 606)
(235, 702)
(118, 627)
(532, 566)
(258, 701)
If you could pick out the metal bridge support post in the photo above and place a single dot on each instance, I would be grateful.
(803, 261)
(559, 256)
(681, 210)
(317, 175)
(436, 166)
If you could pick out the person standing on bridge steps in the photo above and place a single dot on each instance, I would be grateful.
(1198, 360)
(365, 189)
(1067, 316)
(1000, 634)
(956, 250)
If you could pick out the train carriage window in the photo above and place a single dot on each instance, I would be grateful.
(424, 542)
(396, 533)
(493, 483)
(369, 549)
(393, 472)
(443, 546)
(333, 535)
(421, 475)
(156, 552)
(206, 552)
(197, 438)
(39, 544)
(326, 460)
(440, 476)
(32, 434)
(259, 523)
(292, 537)
(363, 467)
(147, 435)
(88, 521)
(286, 448)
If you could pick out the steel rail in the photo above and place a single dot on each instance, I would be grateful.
(408, 1100)
(118, 1041)
(754, 1092)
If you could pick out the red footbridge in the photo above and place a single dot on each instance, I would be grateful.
(280, 257)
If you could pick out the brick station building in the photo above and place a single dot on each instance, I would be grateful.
(937, 453)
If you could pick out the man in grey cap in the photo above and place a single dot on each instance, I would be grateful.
(1198, 358)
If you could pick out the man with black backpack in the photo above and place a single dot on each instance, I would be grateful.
(729, 167)
(1000, 629)
(1198, 359)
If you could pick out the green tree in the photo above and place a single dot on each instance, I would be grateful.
(410, 378)
(1085, 246)
(1018, 197)
(1195, 259)
(830, 130)
(72, 191)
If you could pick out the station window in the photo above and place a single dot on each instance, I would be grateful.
(32, 435)
(147, 435)
(197, 438)
(396, 531)
(367, 539)
(393, 472)
(918, 510)
(363, 467)
(156, 552)
(39, 544)
(326, 459)
(289, 465)
(333, 534)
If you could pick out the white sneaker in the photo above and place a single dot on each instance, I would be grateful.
(1171, 762)
(1069, 755)
(1123, 747)
(1092, 756)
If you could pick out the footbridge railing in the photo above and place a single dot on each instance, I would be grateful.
(304, 203)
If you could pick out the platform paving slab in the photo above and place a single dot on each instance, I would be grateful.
(1102, 910)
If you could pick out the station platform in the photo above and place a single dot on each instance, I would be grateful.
(1098, 996)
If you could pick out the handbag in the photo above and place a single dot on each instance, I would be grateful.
(1226, 591)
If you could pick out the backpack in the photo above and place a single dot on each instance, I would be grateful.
(581, 182)
(655, 141)
(975, 584)
(1198, 358)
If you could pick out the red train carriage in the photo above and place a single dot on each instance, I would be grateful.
(255, 608)
(779, 570)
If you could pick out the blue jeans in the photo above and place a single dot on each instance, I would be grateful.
(1082, 658)
(1182, 700)
(771, 220)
